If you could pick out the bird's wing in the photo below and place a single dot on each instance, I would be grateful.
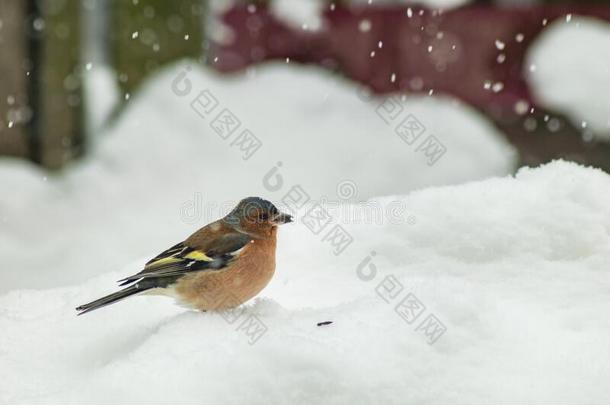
(181, 259)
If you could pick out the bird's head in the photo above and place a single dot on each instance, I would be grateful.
(256, 217)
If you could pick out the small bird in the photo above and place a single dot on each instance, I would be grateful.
(220, 266)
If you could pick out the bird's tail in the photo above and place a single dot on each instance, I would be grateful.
(111, 299)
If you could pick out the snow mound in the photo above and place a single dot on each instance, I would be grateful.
(515, 269)
(102, 95)
(569, 70)
(307, 14)
(167, 166)
(434, 4)
(299, 14)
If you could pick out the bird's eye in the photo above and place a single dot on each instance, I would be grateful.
(264, 217)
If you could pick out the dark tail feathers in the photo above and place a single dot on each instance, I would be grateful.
(111, 299)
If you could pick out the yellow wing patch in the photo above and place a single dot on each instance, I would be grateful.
(198, 255)
(163, 260)
(194, 255)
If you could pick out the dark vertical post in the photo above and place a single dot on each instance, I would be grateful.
(15, 111)
(58, 83)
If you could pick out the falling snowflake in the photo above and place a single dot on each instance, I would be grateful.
(521, 107)
(38, 24)
(364, 25)
(497, 87)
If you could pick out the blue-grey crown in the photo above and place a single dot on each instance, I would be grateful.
(247, 204)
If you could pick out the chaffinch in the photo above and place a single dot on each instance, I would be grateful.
(220, 266)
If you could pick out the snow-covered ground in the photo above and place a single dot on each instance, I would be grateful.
(569, 70)
(162, 171)
(515, 269)
(494, 291)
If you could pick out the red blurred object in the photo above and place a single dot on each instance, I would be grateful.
(454, 52)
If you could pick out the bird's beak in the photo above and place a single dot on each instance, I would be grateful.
(282, 218)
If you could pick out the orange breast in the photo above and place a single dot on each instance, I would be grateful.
(245, 277)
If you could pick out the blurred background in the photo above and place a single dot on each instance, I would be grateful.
(121, 119)
(474, 51)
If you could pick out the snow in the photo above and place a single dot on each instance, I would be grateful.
(572, 71)
(515, 268)
(161, 172)
(102, 95)
(307, 14)
(435, 4)
(299, 14)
